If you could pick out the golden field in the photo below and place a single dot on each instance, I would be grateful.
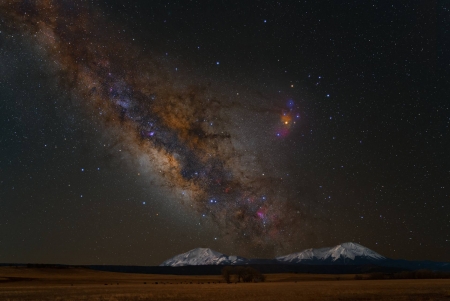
(84, 284)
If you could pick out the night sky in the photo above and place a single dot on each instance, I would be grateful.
(133, 131)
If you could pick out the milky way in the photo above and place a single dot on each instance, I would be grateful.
(172, 127)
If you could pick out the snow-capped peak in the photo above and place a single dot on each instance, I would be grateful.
(351, 250)
(348, 250)
(346, 253)
(202, 256)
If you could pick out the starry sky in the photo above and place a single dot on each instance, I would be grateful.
(133, 131)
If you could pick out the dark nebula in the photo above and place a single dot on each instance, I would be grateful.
(129, 92)
(137, 130)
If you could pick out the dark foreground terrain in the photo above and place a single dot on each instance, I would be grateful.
(22, 283)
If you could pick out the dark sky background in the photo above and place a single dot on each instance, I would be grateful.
(367, 160)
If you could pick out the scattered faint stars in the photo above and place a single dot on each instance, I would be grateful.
(115, 152)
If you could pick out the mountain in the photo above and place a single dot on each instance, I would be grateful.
(203, 256)
(345, 253)
(346, 257)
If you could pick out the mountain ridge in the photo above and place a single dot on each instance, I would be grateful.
(340, 253)
(203, 256)
(349, 251)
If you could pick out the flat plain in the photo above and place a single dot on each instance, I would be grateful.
(20, 283)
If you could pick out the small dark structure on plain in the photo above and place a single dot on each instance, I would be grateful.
(240, 273)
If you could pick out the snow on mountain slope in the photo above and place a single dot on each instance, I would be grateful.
(203, 256)
(345, 251)
(305, 255)
(352, 250)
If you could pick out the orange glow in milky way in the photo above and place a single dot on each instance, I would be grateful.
(129, 92)
(288, 118)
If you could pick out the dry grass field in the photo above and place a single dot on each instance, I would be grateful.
(84, 284)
